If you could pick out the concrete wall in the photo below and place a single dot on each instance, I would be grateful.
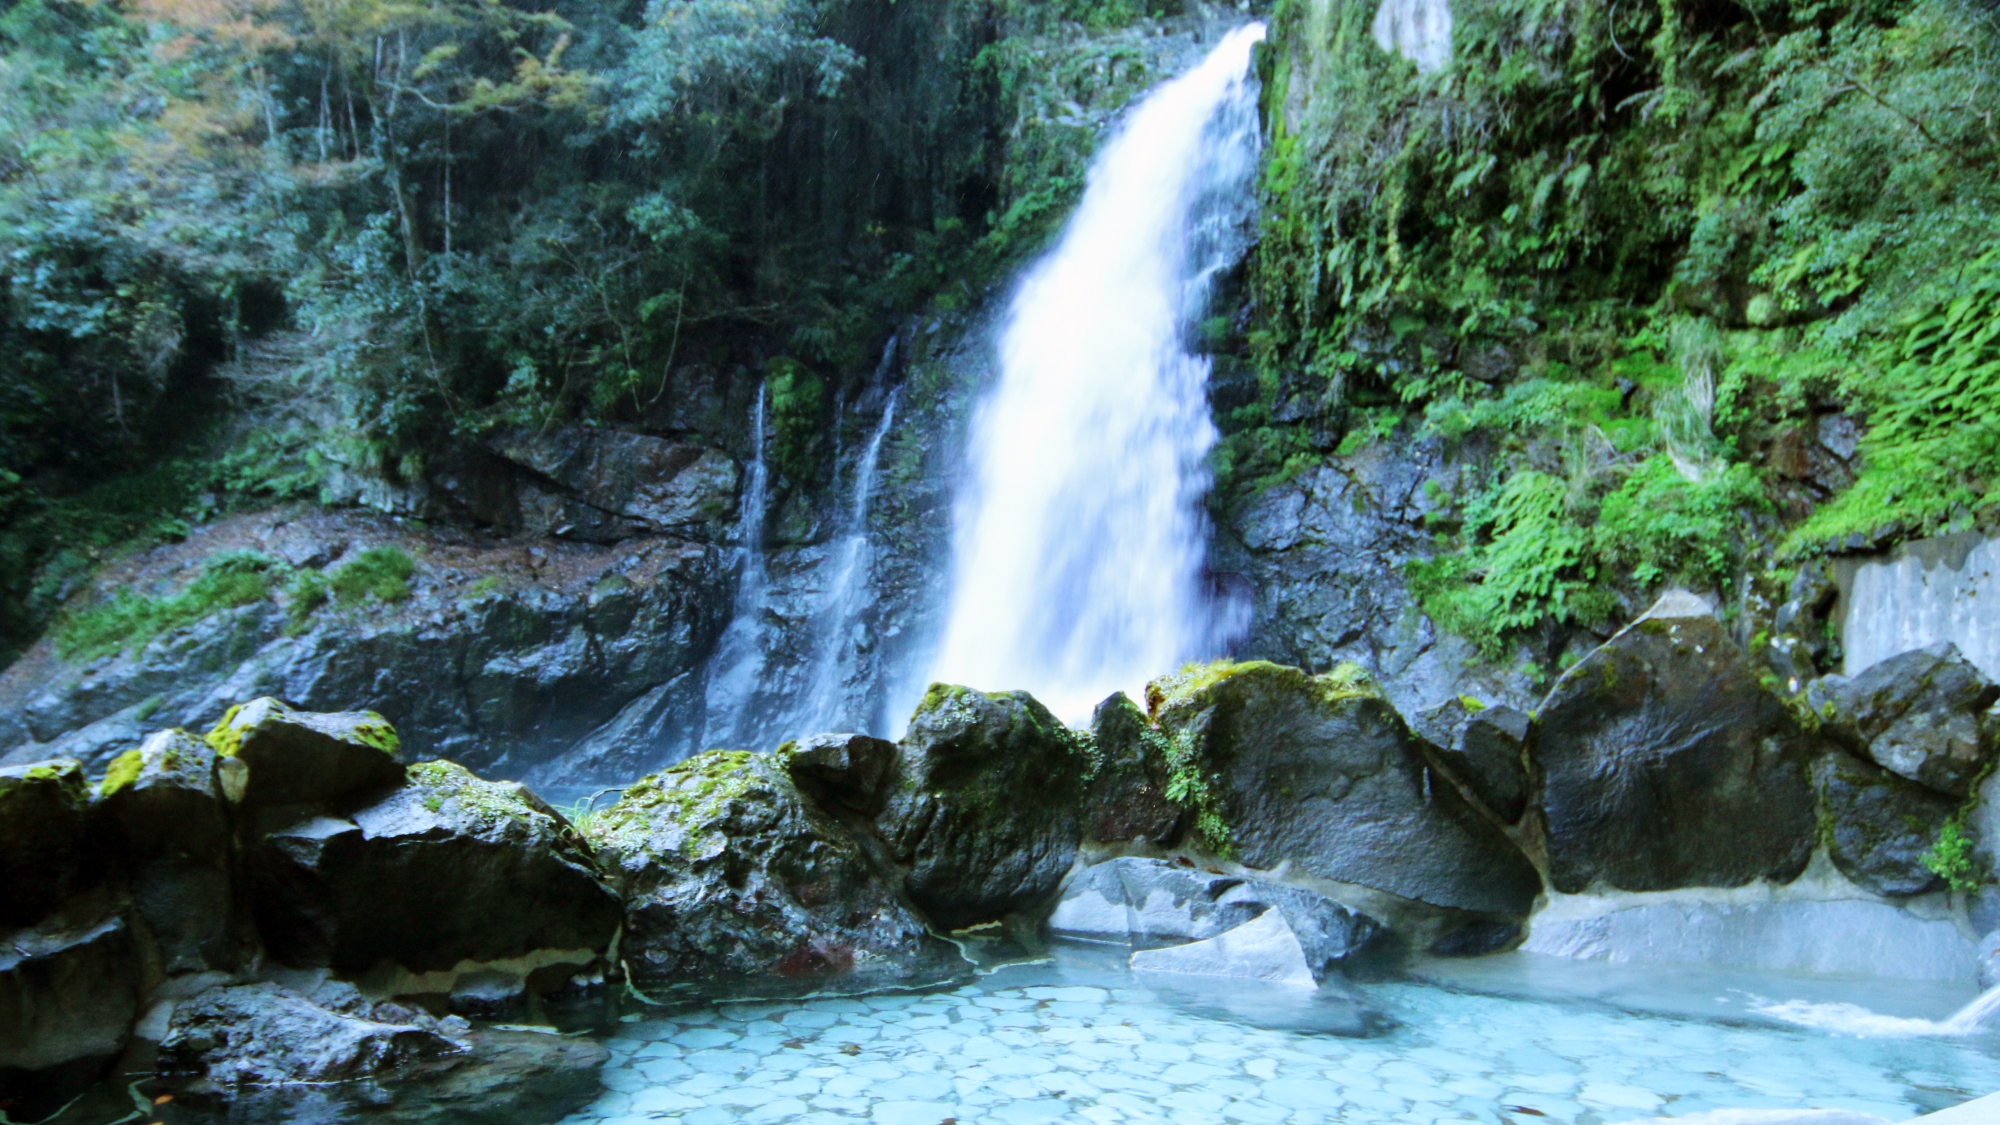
(1930, 590)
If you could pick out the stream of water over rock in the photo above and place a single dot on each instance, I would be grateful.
(1078, 547)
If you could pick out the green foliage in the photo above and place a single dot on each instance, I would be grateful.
(381, 573)
(1618, 256)
(1954, 857)
(129, 620)
(797, 409)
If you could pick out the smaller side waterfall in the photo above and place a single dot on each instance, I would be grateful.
(1853, 1019)
(837, 628)
(738, 663)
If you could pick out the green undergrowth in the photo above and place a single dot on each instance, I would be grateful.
(1621, 266)
(230, 580)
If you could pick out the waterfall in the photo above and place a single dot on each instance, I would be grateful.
(836, 629)
(738, 664)
(1077, 543)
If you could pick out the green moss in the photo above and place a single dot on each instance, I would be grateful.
(129, 621)
(484, 588)
(381, 573)
(123, 772)
(223, 737)
(1954, 857)
(378, 732)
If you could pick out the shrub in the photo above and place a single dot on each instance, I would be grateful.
(128, 620)
(382, 573)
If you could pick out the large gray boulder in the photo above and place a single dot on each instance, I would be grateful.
(1919, 715)
(1667, 765)
(983, 808)
(1150, 900)
(1126, 800)
(162, 803)
(269, 1035)
(45, 851)
(848, 771)
(444, 869)
(275, 756)
(69, 992)
(1319, 772)
(727, 870)
(1879, 827)
(1486, 749)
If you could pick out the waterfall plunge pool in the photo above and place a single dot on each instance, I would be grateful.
(1078, 1037)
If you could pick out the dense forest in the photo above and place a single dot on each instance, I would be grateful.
(1701, 288)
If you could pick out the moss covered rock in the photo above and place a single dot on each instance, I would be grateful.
(444, 869)
(728, 870)
(1127, 797)
(983, 812)
(164, 806)
(45, 853)
(847, 771)
(1879, 827)
(1319, 772)
(275, 755)
(1668, 765)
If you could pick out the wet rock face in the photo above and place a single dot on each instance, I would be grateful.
(1920, 716)
(605, 485)
(69, 991)
(45, 854)
(727, 869)
(849, 771)
(1323, 774)
(1136, 899)
(1127, 800)
(1881, 826)
(1667, 765)
(580, 659)
(269, 1035)
(983, 808)
(163, 802)
(447, 868)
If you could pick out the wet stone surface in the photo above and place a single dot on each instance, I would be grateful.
(1081, 1040)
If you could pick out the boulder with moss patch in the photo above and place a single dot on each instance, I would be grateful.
(1485, 749)
(1320, 773)
(1667, 765)
(983, 813)
(274, 755)
(1878, 827)
(163, 804)
(729, 870)
(849, 771)
(1127, 798)
(46, 854)
(445, 869)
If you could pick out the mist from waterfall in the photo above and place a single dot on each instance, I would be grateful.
(1078, 539)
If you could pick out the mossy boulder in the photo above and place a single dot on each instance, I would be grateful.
(46, 854)
(1321, 774)
(1920, 715)
(1667, 764)
(1126, 799)
(274, 755)
(729, 870)
(983, 811)
(69, 992)
(444, 869)
(167, 812)
(1877, 826)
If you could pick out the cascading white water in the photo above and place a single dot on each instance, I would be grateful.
(1077, 549)
(738, 663)
(835, 631)
(1853, 1019)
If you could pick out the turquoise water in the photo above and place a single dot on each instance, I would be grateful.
(1079, 1038)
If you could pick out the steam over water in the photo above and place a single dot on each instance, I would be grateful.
(1077, 567)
